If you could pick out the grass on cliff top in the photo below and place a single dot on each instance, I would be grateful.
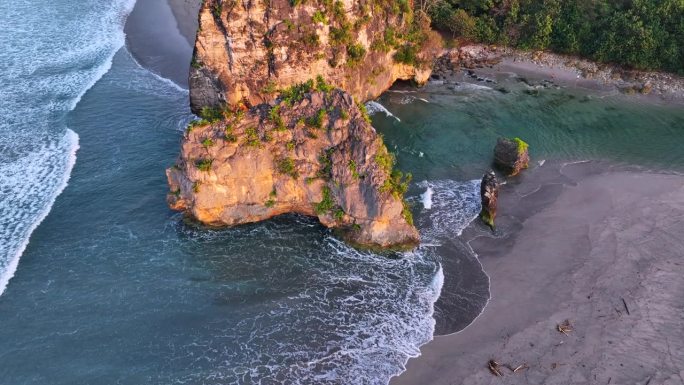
(522, 145)
(296, 93)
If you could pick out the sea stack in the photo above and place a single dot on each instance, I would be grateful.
(280, 87)
(511, 155)
(314, 153)
(489, 192)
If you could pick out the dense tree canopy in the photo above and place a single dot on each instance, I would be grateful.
(642, 34)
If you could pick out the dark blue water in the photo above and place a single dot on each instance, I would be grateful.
(51, 54)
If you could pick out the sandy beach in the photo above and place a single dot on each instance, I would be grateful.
(539, 69)
(159, 35)
(592, 244)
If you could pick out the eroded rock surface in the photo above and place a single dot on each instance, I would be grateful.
(489, 193)
(247, 50)
(314, 153)
(511, 155)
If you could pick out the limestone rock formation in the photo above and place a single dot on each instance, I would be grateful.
(511, 155)
(489, 192)
(246, 50)
(309, 152)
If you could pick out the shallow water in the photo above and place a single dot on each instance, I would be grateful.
(458, 138)
(114, 287)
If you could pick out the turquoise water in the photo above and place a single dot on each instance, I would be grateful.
(113, 287)
(458, 138)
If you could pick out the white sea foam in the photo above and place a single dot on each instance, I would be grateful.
(472, 87)
(45, 74)
(9, 267)
(159, 77)
(427, 197)
(357, 320)
(452, 205)
(375, 107)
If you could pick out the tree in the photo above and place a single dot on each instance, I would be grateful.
(463, 25)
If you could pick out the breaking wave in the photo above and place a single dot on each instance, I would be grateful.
(375, 107)
(325, 312)
(450, 206)
(45, 71)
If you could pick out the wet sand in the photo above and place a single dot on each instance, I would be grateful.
(185, 12)
(544, 69)
(597, 245)
(158, 35)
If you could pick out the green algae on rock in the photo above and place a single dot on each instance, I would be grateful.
(511, 155)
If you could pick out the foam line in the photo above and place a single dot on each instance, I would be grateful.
(11, 267)
(156, 75)
(374, 107)
(72, 140)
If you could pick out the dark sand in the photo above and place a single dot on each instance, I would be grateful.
(186, 13)
(159, 41)
(572, 243)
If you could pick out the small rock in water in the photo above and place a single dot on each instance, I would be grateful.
(489, 192)
(511, 155)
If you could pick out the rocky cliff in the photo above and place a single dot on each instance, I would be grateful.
(277, 84)
(311, 152)
(246, 50)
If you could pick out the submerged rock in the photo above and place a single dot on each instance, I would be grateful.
(313, 153)
(511, 155)
(489, 192)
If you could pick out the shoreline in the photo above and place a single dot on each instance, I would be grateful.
(158, 35)
(461, 357)
(584, 242)
(482, 61)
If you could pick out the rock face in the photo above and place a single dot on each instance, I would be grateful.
(489, 192)
(511, 155)
(312, 152)
(246, 50)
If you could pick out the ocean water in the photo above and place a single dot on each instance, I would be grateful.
(50, 58)
(114, 288)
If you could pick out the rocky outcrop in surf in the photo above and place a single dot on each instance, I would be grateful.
(511, 155)
(273, 140)
(312, 152)
(489, 193)
(247, 50)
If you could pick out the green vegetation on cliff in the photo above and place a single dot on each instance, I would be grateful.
(642, 34)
